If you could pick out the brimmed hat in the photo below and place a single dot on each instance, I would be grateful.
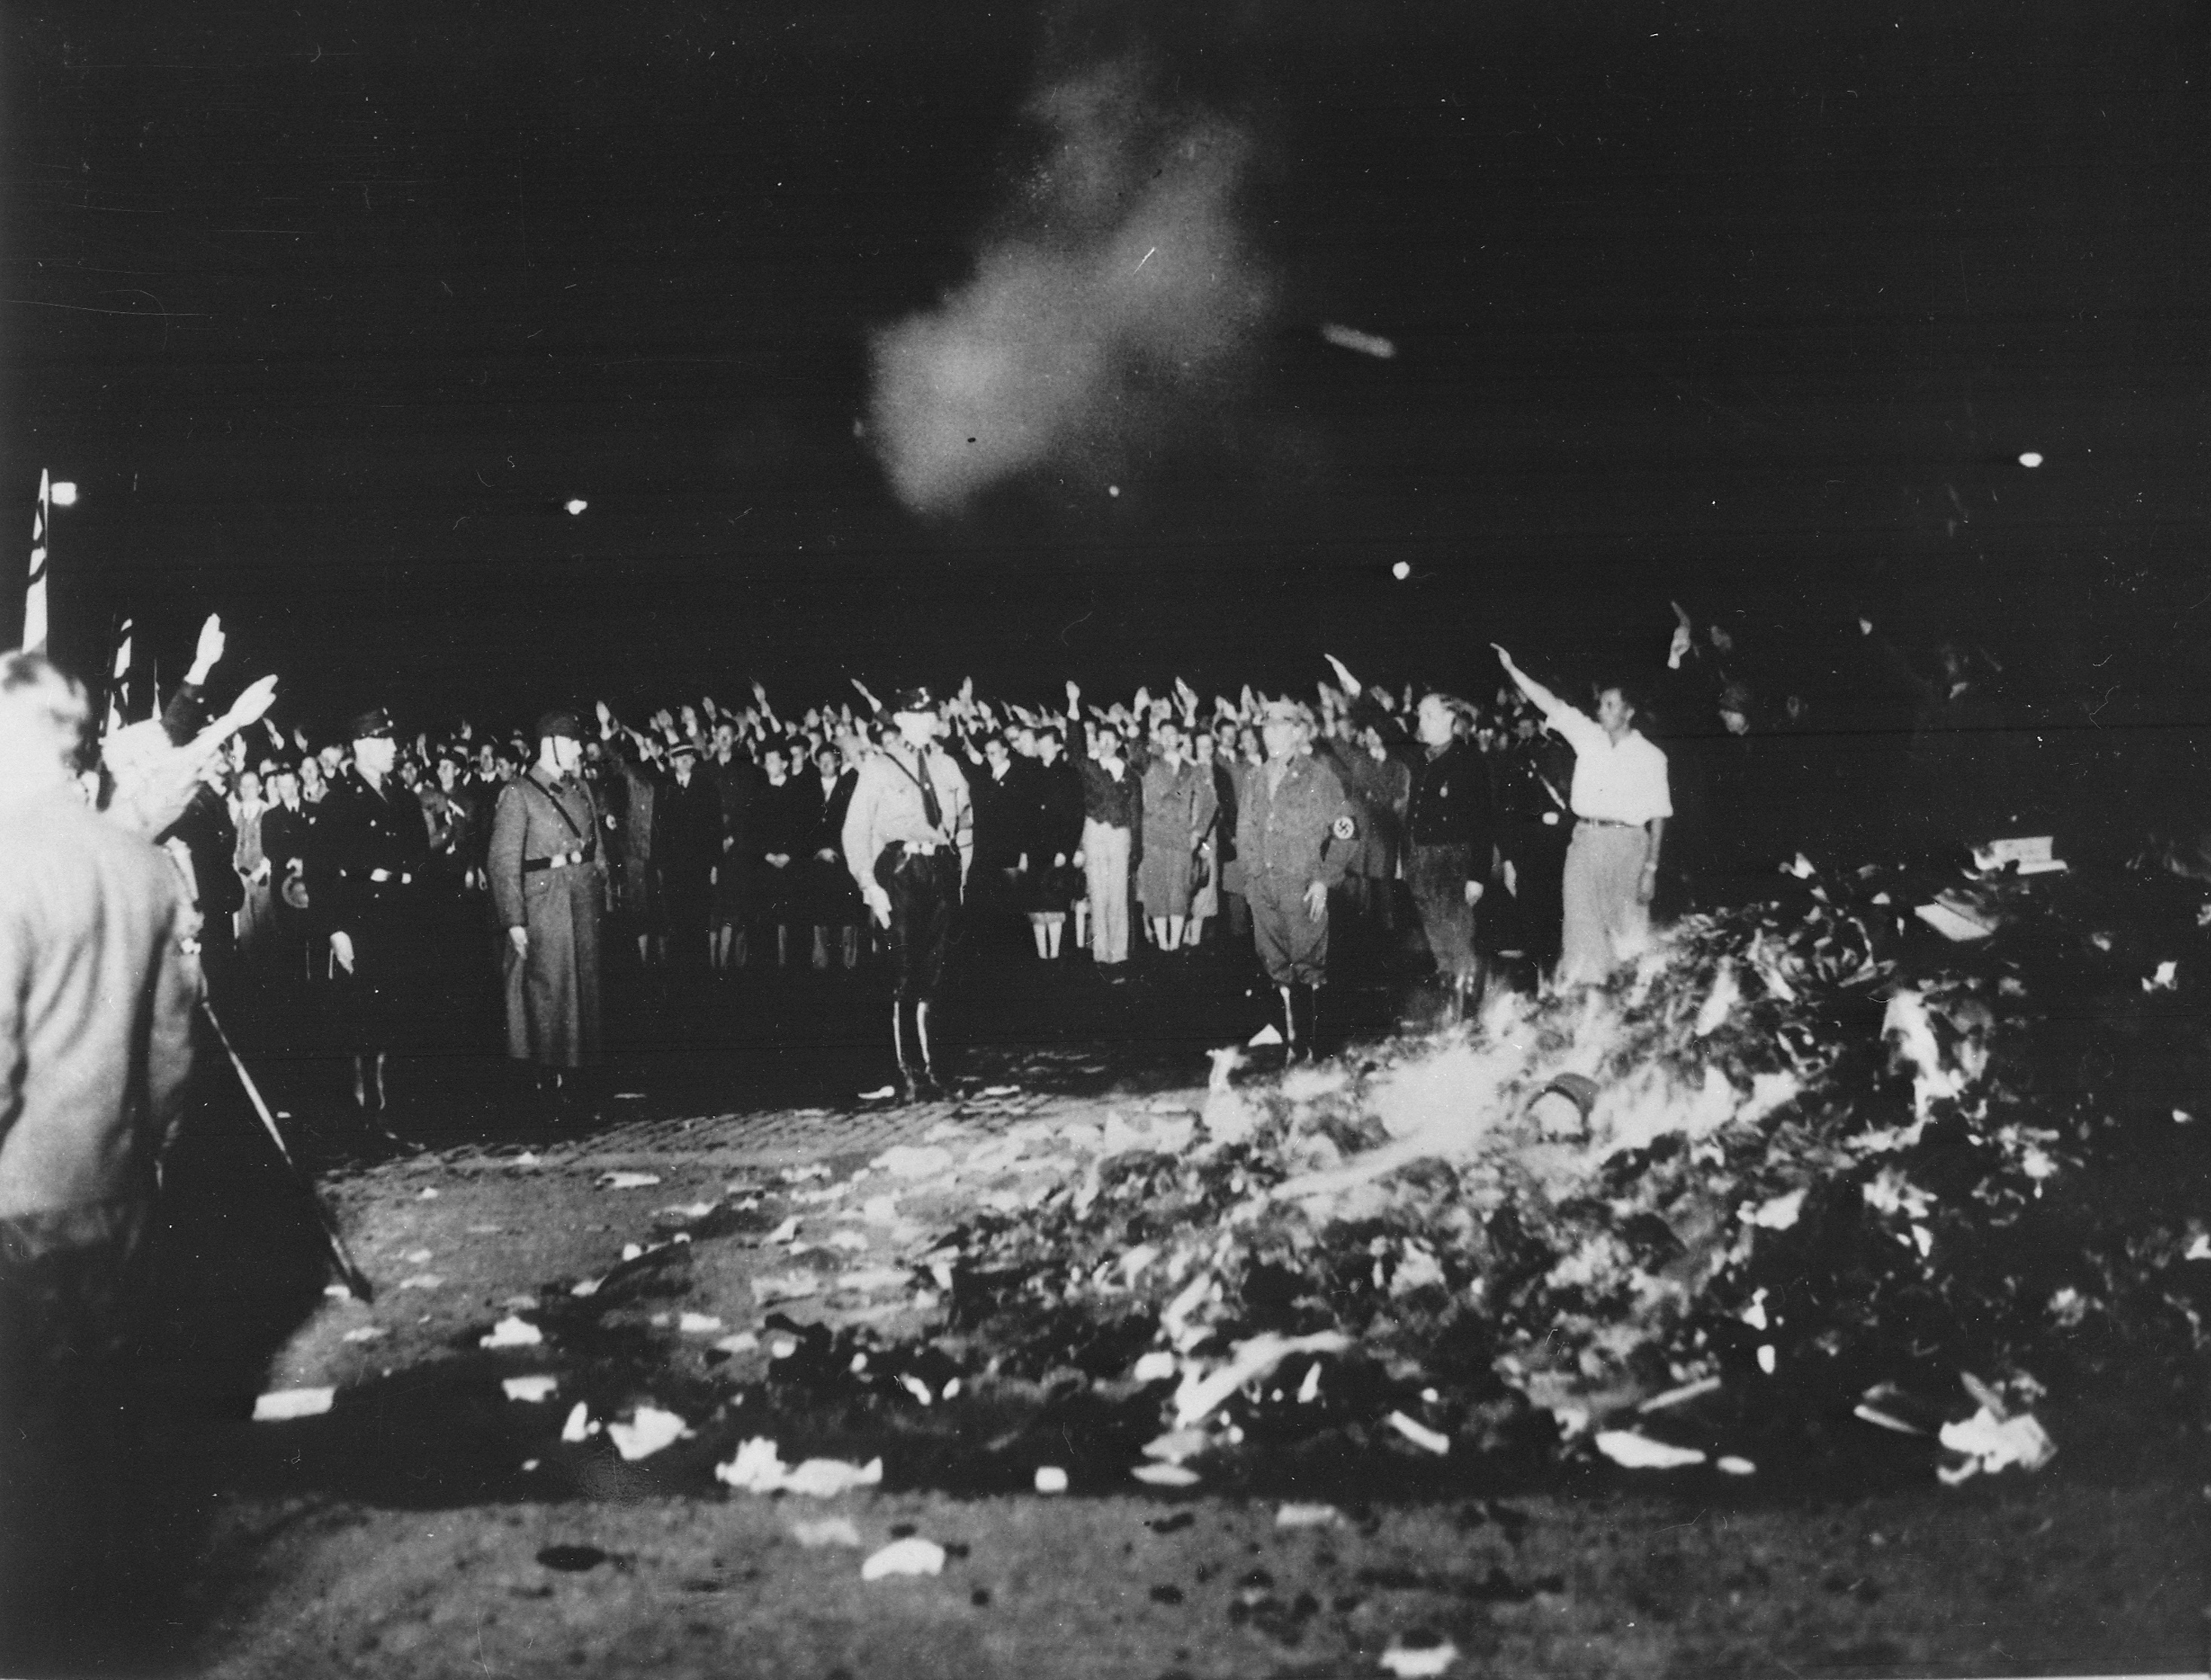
(374, 724)
(559, 724)
(915, 699)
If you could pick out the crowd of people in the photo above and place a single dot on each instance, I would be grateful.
(222, 862)
(1511, 827)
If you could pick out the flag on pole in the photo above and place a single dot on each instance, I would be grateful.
(34, 590)
(119, 683)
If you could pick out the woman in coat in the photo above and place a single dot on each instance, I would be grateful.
(1055, 811)
(1178, 809)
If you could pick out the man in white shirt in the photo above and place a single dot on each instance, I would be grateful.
(909, 839)
(1620, 804)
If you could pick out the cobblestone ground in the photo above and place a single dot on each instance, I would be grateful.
(427, 1525)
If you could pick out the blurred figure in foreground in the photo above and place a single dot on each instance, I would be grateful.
(99, 977)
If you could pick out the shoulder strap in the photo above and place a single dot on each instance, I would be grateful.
(929, 806)
(552, 800)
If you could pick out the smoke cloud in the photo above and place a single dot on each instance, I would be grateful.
(1118, 292)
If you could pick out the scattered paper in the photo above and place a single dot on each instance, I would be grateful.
(627, 1180)
(912, 1556)
(1050, 1478)
(649, 1431)
(368, 1333)
(915, 1161)
(578, 1424)
(1199, 1395)
(282, 1405)
(513, 1332)
(423, 1280)
(1632, 1451)
(1165, 1475)
(1269, 1034)
(698, 1324)
(532, 1389)
(1419, 1434)
(417, 1257)
(1175, 1445)
(1307, 1516)
(1409, 1661)
(759, 1468)
(743, 1342)
(817, 1532)
(790, 1286)
(1778, 1215)
(1955, 920)
(1989, 1443)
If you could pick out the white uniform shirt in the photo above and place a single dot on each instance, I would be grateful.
(1613, 783)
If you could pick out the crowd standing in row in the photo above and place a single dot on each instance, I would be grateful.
(709, 838)
(375, 868)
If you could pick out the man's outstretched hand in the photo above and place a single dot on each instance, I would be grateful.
(208, 654)
(251, 704)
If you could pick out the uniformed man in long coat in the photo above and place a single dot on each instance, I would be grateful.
(375, 853)
(1296, 832)
(548, 886)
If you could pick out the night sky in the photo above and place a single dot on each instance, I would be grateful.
(328, 311)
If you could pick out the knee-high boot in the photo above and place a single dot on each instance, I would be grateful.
(926, 1084)
(899, 1050)
(1304, 1002)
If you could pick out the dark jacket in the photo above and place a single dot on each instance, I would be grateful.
(211, 838)
(358, 833)
(1004, 818)
(1057, 807)
(687, 840)
(1453, 805)
(1115, 804)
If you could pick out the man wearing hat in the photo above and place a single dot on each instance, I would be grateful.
(375, 851)
(909, 838)
(1296, 833)
(548, 885)
(687, 849)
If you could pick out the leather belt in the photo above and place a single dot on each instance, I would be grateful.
(568, 860)
(1605, 822)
